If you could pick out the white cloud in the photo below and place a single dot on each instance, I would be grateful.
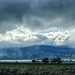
(14, 35)
(59, 37)
(21, 36)
(72, 38)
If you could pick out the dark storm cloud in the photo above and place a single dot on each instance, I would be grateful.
(37, 14)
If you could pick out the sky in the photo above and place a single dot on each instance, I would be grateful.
(37, 22)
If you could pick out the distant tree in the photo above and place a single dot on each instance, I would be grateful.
(45, 60)
(59, 61)
(33, 60)
(56, 61)
(50, 60)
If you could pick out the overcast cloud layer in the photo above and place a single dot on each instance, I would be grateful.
(38, 14)
(36, 17)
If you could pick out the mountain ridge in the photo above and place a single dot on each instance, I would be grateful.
(36, 52)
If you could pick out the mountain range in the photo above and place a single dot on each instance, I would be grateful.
(36, 52)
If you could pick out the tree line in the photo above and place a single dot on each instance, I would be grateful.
(47, 60)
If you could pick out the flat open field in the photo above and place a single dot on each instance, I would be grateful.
(66, 68)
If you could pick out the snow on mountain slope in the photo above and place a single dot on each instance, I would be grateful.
(21, 36)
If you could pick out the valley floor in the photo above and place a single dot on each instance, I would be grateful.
(36, 69)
